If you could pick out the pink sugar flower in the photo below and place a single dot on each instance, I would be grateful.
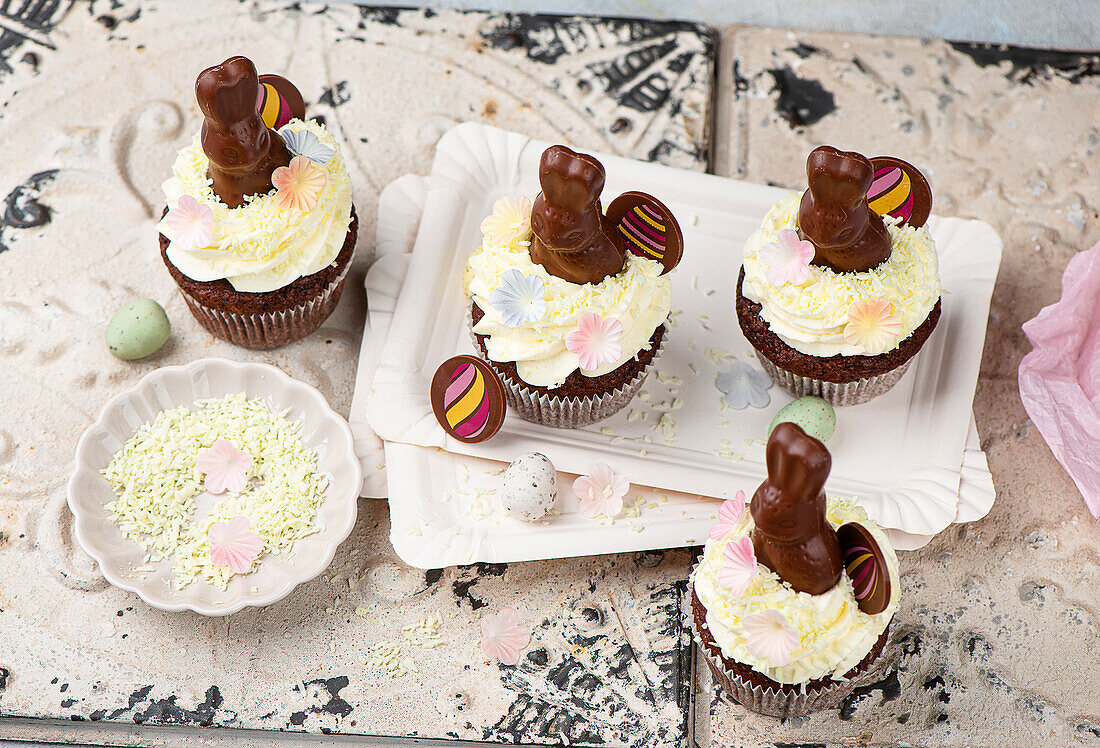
(502, 637)
(191, 222)
(595, 341)
(233, 544)
(787, 258)
(299, 185)
(225, 466)
(769, 637)
(738, 566)
(872, 325)
(601, 492)
(510, 219)
(728, 515)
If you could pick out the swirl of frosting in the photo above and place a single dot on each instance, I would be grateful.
(834, 634)
(639, 297)
(259, 246)
(810, 316)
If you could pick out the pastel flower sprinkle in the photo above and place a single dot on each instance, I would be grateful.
(601, 492)
(299, 185)
(510, 219)
(518, 298)
(233, 544)
(738, 566)
(744, 385)
(502, 638)
(191, 222)
(769, 637)
(728, 515)
(787, 259)
(872, 325)
(305, 143)
(225, 466)
(595, 341)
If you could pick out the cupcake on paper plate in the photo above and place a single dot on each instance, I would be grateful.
(568, 304)
(791, 603)
(839, 289)
(259, 228)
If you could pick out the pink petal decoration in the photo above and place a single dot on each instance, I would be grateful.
(225, 466)
(769, 637)
(595, 341)
(510, 219)
(1060, 377)
(738, 566)
(191, 222)
(729, 514)
(872, 325)
(233, 544)
(601, 492)
(788, 258)
(502, 637)
(299, 185)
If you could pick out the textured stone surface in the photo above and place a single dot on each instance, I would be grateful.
(96, 98)
(998, 633)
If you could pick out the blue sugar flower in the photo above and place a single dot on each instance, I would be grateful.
(744, 385)
(305, 143)
(518, 298)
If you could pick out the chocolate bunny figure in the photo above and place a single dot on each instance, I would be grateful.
(792, 536)
(834, 215)
(573, 239)
(242, 150)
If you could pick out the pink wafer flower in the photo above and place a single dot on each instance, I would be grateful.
(738, 566)
(225, 466)
(787, 258)
(595, 341)
(769, 637)
(872, 325)
(728, 515)
(299, 185)
(191, 222)
(601, 492)
(233, 544)
(502, 637)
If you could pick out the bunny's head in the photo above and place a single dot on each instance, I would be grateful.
(242, 150)
(834, 215)
(572, 239)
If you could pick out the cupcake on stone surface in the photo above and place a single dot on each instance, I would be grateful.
(259, 227)
(792, 601)
(568, 304)
(839, 288)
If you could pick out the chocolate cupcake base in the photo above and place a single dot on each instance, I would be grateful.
(262, 321)
(581, 400)
(755, 691)
(840, 380)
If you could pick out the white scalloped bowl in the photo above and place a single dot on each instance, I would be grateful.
(323, 431)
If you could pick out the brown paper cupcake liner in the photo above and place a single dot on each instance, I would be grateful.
(836, 393)
(265, 330)
(772, 698)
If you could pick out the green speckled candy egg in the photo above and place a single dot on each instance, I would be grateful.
(816, 417)
(137, 330)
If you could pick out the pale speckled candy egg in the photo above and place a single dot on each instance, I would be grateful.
(137, 330)
(815, 416)
(529, 487)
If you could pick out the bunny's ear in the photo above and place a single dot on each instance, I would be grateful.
(227, 93)
(798, 464)
(569, 179)
(648, 228)
(838, 177)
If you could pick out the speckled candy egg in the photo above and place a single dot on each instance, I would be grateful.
(815, 416)
(137, 330)
(529, 487)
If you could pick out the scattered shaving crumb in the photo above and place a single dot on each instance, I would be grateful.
(463, 473)
(694, 369)
(607, 430)
(633, 415)
(718, 355)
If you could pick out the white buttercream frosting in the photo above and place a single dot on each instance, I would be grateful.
(810, 316)
(259, 246)
(834, 634)
(639, 297)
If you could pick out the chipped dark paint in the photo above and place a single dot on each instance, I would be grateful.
(1028, 66)
(37, 17)
(334, 705)
(336, 95)
(5, 676)
(22, 210)
(167, 711)
(802, 101)
(469, 576)
(889, 687)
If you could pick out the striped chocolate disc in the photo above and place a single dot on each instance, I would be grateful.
(865, 565)
(898, 189)
(279, 101)
(468, 399)
(648, 228)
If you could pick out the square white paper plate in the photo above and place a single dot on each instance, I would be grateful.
(901, 453)
(437, 516)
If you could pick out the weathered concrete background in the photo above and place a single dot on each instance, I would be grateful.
(997, 639)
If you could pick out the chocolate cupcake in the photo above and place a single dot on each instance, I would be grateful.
(836, 298)
(568, 305)
(792, 602)
(259, 228)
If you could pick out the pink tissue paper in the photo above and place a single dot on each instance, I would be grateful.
(1060, 378)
